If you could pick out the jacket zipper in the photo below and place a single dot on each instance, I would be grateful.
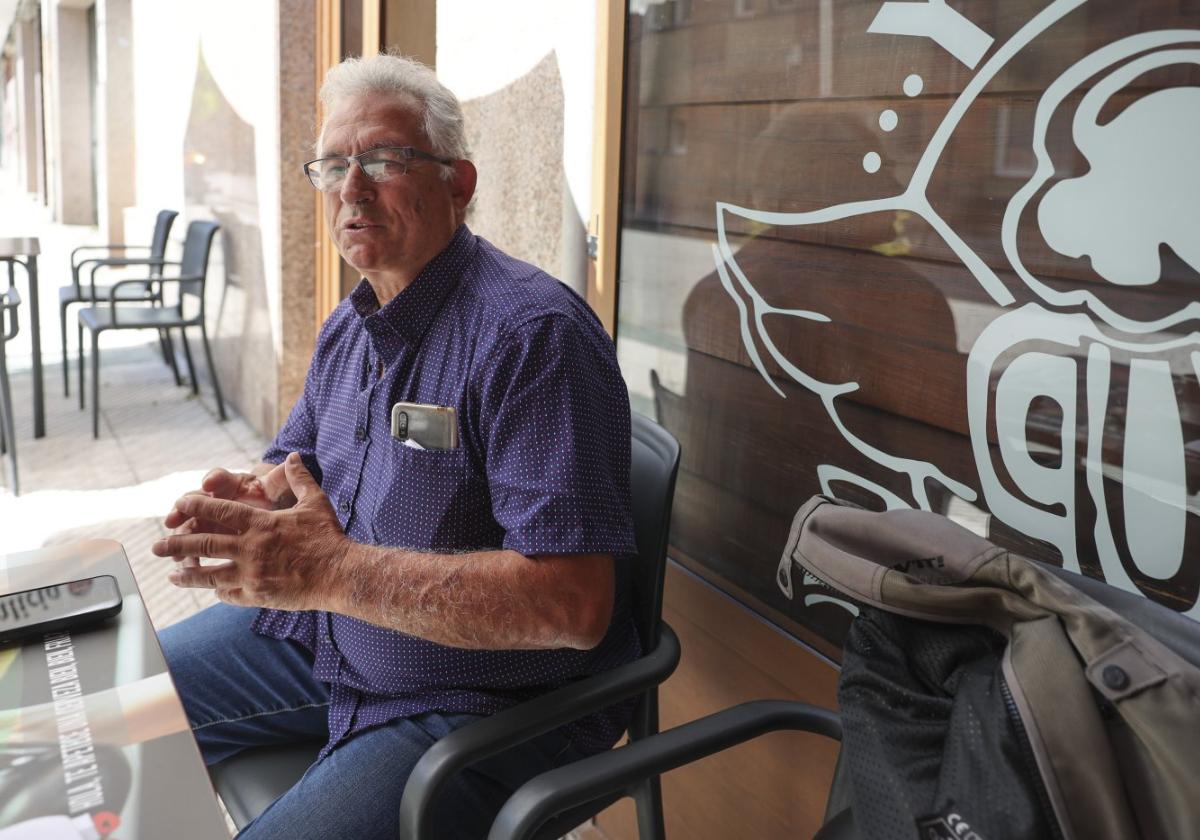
(1030, 760)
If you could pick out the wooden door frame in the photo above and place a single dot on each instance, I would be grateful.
(604, 216)
(330, 50)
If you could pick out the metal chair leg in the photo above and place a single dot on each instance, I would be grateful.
(66, 360)
(95, 384)
(8, 431)
(187, 355)
(5, 399)
(169, 354)
(79, 350)
(212, 371)
(647, 795)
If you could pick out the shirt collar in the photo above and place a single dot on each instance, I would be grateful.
(406, 317)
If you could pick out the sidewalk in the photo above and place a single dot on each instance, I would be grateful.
(156, 439)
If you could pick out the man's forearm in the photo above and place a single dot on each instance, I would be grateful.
(482, 600)
(295, 556)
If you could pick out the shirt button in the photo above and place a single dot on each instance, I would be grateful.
(360, 434)
(344, 507)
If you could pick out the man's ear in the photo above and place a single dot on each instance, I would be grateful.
(462, 185)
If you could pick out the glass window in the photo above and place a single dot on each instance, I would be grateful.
(919, 256)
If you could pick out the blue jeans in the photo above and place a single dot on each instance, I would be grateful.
(243, 690)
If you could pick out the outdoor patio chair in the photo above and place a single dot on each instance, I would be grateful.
(10, 303)
(253, 779)
(115, 314)
(142, 290)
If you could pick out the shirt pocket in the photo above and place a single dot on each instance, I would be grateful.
(433, 499)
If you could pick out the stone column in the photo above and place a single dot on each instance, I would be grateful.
(67, 87)
(115, 152)
(298, 204)
(29, 100)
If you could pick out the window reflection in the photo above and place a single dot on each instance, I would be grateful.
(954, 269)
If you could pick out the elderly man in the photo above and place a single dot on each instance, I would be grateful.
(378, 593)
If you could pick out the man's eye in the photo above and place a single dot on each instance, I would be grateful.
(334, 171)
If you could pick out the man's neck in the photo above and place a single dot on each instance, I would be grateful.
(387, 287)
(388, 284)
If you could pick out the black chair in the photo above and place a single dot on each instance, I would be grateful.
(116, 315)
(556, 791)
(253, 779)
(10, 301)
(142, 290)
(540, 800)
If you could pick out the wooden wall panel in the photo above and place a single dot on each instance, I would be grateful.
(774, 54)
(774, 786)
(802, 156)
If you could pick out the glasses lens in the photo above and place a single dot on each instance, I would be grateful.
(379, 165)
(327, 174)
(385, 164)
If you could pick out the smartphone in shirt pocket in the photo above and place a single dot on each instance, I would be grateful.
(425, 426)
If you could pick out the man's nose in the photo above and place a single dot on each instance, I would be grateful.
(356, 187)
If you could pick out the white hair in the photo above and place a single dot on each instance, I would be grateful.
(403, 78)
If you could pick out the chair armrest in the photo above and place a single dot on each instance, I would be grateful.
(115, 246)
(10, 303)
(113, 294)
(98, 263)
(505, 729)
(555, 791)
(119, 261)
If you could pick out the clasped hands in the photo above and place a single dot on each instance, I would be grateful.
(278, 531)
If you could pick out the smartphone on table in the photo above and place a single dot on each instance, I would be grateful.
(61, 606)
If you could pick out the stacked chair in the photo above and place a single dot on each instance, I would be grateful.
(124, 308)
(91, 259)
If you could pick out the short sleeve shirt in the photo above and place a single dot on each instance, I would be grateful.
(542, 467)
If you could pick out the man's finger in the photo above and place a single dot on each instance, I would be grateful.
(193, 526)
(176, 518)
(299, 479)
(222, 576)
(275, 487)
(227, 516)
(220, 546)
(222, 483)
(188, 526)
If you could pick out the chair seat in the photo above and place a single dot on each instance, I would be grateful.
(78, 294)
(97, 318)
(253, 779)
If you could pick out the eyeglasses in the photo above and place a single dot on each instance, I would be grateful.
(380, 165)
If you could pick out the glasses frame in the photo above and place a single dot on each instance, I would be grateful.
(410, 153)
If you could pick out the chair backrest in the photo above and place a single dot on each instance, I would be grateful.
(653, 466)
(194, 263)
(162, 230)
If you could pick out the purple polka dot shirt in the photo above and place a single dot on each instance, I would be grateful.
(542, 468)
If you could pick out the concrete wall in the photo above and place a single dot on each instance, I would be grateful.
(298, 213)
(116, 152)
(211, 143)
(27, 75)
(525, 72)
(67, 96)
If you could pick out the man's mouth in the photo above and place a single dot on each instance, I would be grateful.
(358, 225)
